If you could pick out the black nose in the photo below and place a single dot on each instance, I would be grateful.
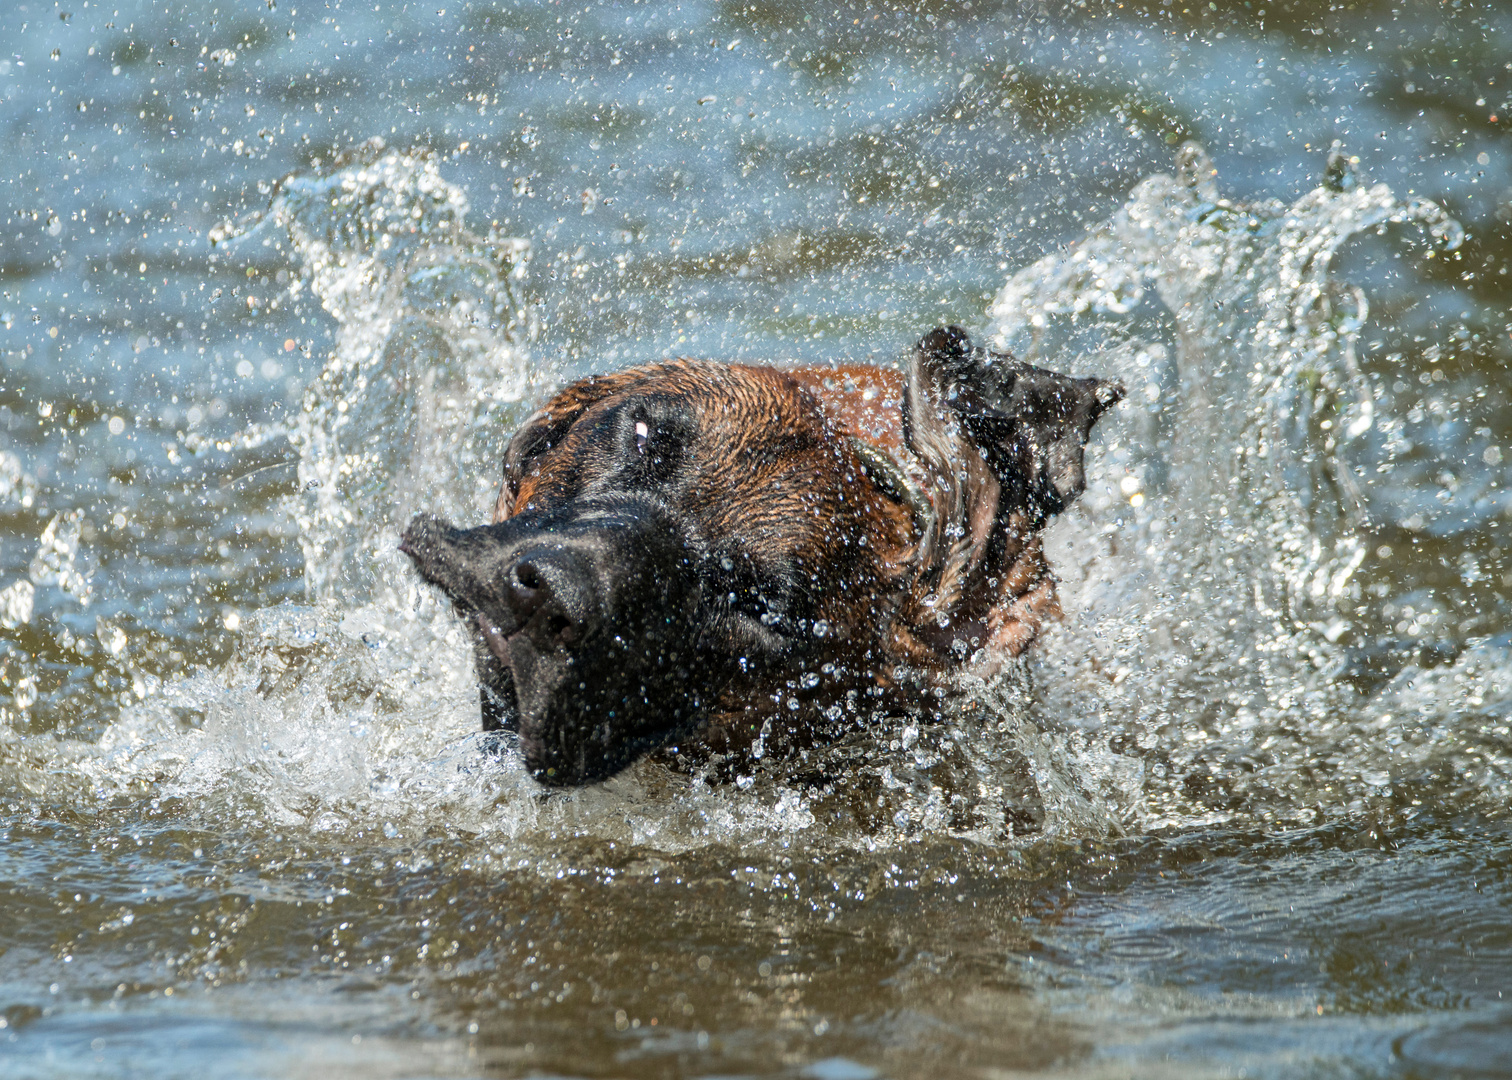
(552, 594)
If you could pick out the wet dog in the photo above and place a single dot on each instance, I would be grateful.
(690, 556)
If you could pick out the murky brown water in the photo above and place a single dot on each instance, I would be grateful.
(246, 825)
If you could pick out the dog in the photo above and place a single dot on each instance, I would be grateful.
(710, 560)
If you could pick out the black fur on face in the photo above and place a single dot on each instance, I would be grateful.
(593, 637)
(628, 587)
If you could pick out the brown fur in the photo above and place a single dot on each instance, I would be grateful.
(789, 477)
(696, 557)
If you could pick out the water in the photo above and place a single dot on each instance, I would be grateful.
(278, 275)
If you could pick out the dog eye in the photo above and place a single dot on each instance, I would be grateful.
(655, 437)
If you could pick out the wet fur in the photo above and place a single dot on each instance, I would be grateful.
(823, 537)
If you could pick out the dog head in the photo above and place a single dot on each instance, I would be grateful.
(659, 531)
(667, 532)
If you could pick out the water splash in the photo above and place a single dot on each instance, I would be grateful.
(1264, 336)
(1204, 678)
(359, 708)
(1216, 582)
(413, 402)
(62, 560)
(356, 714)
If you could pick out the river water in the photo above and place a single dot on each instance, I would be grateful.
(277, 274)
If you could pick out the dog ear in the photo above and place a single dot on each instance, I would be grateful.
(1031, 424)
(933, 429)
(1037, 426)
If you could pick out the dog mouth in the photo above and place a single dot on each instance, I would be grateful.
(593, 622)
(496, 640)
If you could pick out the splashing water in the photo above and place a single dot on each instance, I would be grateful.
(353, 713)
(1217, 610)
(1200, 680)
(357, 714)
(413, 400)
(409, 411)
(299, 838)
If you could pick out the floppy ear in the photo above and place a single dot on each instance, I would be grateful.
(1029, 423)
(965, 497)
(544, 428)
(932, 430)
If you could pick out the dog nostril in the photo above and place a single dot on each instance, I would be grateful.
(541, 592)
(527, 590)
(527, 575)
